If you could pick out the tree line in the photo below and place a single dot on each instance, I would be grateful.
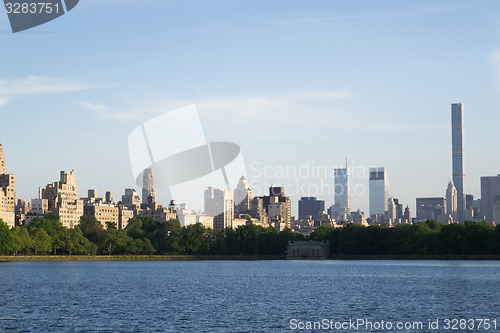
(422, 238)
(143, 235)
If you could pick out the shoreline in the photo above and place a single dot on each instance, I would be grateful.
(236, 257)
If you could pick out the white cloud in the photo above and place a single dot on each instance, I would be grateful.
(246, 109)
(107, 113)
(325, 95)
(350, 19)
(37, 85)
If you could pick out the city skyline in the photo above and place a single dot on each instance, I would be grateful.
(372, 82)
(62, 199)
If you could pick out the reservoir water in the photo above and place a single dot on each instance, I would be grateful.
(247, 296)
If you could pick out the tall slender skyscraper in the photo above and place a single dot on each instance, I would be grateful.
(457, 139)
(148, 187)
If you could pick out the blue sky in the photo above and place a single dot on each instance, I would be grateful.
(294, 83)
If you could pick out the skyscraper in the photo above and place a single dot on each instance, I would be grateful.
(399, 208)
(220, 204)
(490, 192)
(310, 206)
(407, 216)
(242, 196)
(148, 187)
(342, 192)
(451, 201)
(457, 138)
(379, 193)
(430, 208)
(391, 210)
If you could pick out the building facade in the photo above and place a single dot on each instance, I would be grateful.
(258, 211)
(379, 192)
(7, 193)
(457, 138)
(220, 204)
(124, 215)
(310, 206)
(188, 217)
(407, 216)
(242, 197)
(451, 201)
(104, 213)
(277, 195)
(342, 189)
(496, 209)
(431, 208)
(62, 199)
(391, 210)
(148, 187)
(490, 190)
(131, 198)
(308, 249)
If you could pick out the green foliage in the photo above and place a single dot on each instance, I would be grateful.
(111, 225)
(144, 235)
(76, 243)
(91, 228)
(253, 240)
(6, 241)
(479, 238)
(22, 240)
(194, 238)
(424, 238)
(42, 242)
(52, 226)
(115, 241)
(143, 246)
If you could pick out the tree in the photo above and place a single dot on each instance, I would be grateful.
(478, 238)
(111, 225)
(42, 242)
(192, 238)
(285, 236)
(269, 241)
(114, 241)
(22, 240)
(144, 246)
(91, 228)
(352, 239)
(450, 239)
(328, 233)
(247, 239)
(134, 228)
(168, 236)
(53, 227)
(6, 243)
(75, 242)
